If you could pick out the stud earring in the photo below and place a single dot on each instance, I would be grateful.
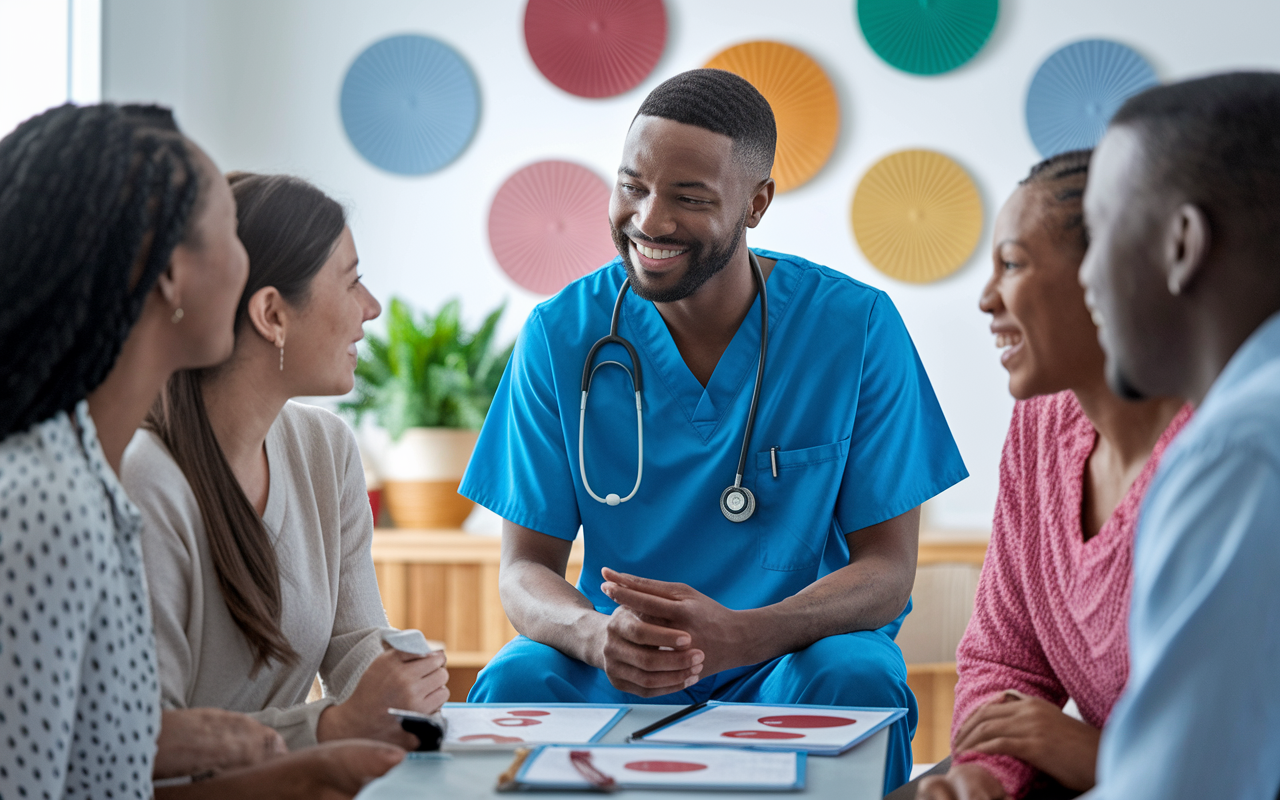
(177, 316)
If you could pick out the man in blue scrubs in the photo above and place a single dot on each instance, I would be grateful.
(676, 603)
(1183, 276)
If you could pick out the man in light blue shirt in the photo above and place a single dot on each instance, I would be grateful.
(1183, 277)
(797, 601)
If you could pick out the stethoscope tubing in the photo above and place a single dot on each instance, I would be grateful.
(637, 382)
(764, 347)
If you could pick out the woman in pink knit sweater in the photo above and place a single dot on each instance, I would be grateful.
(1050, 620)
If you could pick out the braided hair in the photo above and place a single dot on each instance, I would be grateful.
(93, 200)
(1064, 176)
(721, 102)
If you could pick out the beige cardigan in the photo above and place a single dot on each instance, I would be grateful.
(318, 513)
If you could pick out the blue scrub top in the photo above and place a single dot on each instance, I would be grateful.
(845, 398)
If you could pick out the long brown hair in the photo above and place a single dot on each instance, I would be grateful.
(289, 228)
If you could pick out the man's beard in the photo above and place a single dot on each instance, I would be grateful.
(704, 263)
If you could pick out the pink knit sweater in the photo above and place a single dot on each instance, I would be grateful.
(1051, 614)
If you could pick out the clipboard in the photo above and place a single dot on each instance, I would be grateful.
(818, 730)
(508, 726)
(609, 767)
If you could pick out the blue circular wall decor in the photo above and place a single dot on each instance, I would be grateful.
(1077, 90)
(410, 104)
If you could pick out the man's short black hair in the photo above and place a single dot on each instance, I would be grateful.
(723, 103)
(1215, 142)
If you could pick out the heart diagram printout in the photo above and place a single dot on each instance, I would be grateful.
(507, 726)
(823, 730)
(644, 767)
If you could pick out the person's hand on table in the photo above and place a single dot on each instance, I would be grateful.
(962, 782)
(202, 740)
(717, 633)
(339, 770)
(392, 680)
(332, 771)
(1035, 731)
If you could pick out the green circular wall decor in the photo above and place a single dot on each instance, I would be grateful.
(927, 37)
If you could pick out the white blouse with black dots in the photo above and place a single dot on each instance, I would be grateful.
(79, 700)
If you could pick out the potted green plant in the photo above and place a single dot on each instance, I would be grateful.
(428, 383)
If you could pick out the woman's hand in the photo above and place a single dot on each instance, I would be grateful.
(393, 680)
(962, 782)
(339, 770)
(200, 740)
(333, 771)
(1037, 732)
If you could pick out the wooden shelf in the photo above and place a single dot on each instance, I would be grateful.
(414, 546)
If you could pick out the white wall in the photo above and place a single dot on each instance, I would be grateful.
(256, 82)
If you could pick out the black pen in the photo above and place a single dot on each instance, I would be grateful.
(665, 721)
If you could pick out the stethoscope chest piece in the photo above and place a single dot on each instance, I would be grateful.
(737, 503)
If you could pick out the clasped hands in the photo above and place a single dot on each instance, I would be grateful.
(664, 637)
(1028, 728)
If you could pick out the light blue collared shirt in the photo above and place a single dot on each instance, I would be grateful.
(1200, 717)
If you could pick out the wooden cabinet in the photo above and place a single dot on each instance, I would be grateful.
(445, 584)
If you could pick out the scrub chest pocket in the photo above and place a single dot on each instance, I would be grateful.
(796, 508)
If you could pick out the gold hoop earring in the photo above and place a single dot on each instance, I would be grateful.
(177, 316)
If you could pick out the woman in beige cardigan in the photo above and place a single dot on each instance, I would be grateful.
(258, 526)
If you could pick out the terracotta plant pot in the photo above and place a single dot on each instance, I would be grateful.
(421, 474)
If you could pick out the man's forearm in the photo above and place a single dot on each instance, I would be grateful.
(867, 594)
(548, 609)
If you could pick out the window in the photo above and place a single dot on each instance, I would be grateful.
(50, 52)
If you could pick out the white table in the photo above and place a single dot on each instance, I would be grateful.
(855, 775)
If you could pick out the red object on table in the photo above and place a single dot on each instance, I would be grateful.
(375, 503)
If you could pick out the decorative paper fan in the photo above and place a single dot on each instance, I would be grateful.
(1078, 89)
(549, 225)
(595, 48)
(917, 216)
(410, 104)
(926, 37)
(803, 101)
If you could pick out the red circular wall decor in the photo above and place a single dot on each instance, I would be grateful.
(595, 48)
(549, 225)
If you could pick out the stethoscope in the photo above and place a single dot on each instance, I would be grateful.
(737, 503)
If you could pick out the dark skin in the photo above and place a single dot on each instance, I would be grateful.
(1175, 295)
(683, 184)
(1037, 309)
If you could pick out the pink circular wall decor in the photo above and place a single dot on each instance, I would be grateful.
(549, 225)
(595, 48)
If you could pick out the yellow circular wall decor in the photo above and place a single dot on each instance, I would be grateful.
(804, 105)
(917, 216)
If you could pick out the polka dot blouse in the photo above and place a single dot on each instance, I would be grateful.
(79, 700)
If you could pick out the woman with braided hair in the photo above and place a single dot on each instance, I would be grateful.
(119, 264)
(1050, 618)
